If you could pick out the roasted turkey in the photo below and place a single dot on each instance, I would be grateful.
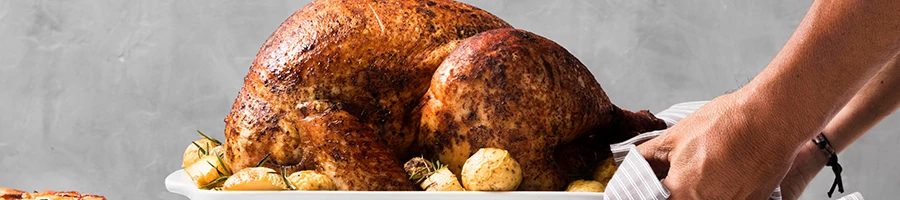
(352, 87)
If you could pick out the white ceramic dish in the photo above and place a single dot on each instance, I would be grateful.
(178, 182)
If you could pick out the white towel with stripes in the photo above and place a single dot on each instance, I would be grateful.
(635, 179)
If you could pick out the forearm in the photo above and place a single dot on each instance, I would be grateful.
(739, 145)
(879, 98)
(837, 47)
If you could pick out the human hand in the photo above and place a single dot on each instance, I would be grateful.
(725, 150)
(807, 164)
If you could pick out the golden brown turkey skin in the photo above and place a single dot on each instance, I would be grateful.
(347, 151)
(514, 90)
(375, 58)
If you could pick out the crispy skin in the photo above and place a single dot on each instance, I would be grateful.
(514, 90)
(347, 151)
(375, 58)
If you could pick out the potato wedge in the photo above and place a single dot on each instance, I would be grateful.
(255, 178)
(586, 186)
(491, 169)
(194, 153)
(206, 170)
(311, 180)
(442, 180)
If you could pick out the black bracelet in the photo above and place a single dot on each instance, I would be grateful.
(822, 142)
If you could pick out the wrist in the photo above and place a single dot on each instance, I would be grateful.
(780, 117)
(810, 160)
(807, 164)
(839, 139)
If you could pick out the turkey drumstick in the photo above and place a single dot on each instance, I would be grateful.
(338, 145)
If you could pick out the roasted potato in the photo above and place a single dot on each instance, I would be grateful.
(255, 178)
(442, 180)
(586, 186)
(311, 180)
(194, 153)
(218, 150)
(605, 170)
(206, 170)
(491, 169)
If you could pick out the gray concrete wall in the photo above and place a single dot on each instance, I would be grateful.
(103, 96)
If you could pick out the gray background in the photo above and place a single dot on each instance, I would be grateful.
(102, 96)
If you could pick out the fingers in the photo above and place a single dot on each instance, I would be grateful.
(656, 155)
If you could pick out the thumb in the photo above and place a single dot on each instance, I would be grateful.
(656, 152)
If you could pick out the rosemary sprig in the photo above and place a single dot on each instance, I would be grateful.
(416, 176)
(214, 140)
(263, 161)
(222, 163)
(423, 173)
(208, 150)
(222, 175)
(217, 169)
(215, 182)
(283, 178)
(203, 151)
(438, 165)
(287, 183)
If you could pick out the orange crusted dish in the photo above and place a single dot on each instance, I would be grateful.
(9, 194)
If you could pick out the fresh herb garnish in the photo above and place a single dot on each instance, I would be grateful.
(286, 182)
(214, 182)
(203, 151)
(263, 161)
(423, 173)
(217, 169)
(214, 140)
(438, 165)
(219, 158)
